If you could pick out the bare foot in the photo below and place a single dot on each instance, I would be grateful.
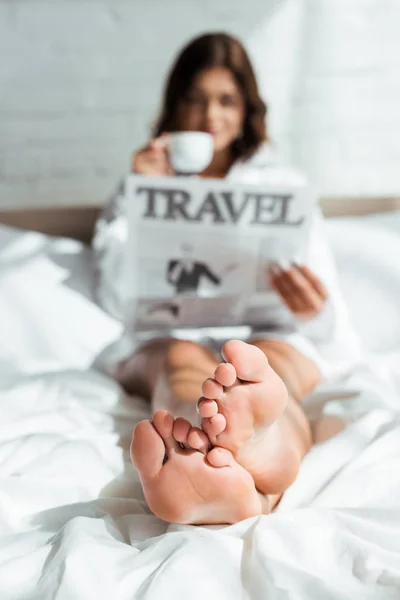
(186, 486)
(242, 409)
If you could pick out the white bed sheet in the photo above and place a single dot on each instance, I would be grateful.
(73, 521)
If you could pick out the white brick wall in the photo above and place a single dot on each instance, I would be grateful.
(80, 83)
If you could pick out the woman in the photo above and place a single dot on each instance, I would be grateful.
(212, 88)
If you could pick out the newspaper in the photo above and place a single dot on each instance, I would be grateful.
(198, 249)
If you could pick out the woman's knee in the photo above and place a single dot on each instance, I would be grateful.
(136, 373)
(185, 353)
(299, 373)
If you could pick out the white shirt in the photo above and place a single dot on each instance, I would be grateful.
(329, 338)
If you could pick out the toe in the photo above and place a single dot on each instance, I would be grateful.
(147, 450)
(212, 389)
(181, 430)
(198, 440)
(250, 362)
(214, 426)
(163, 421)
(225, 374)
(220, 457)
(207, 408)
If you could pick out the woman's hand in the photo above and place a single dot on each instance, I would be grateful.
(300, 289)
(153, 159)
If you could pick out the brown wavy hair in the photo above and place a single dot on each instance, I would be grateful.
(204, 52)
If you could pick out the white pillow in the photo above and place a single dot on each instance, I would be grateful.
(48, 318)
(367, 252)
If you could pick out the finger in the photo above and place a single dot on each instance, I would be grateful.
(312, 299)
(149, 154)
(314, 280)
(165, 138)
(298, 284)
(300, 306)
(156, 146)
(136, 159)
(151, 161)
(159, 148)
(282, 273)
(160, 143)
(285, 291)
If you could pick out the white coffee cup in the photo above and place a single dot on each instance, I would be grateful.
(190, 151)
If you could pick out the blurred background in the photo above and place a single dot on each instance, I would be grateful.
(80, 84)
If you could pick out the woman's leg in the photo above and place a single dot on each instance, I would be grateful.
(247, 413)
(251, 411)
(169, 373)
(298, 372)
(184, 364)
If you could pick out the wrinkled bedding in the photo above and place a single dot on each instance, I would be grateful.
(73, 522)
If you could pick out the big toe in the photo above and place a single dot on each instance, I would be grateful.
(250, 362)
(147, 449)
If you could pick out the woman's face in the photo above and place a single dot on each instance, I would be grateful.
(214, 104)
